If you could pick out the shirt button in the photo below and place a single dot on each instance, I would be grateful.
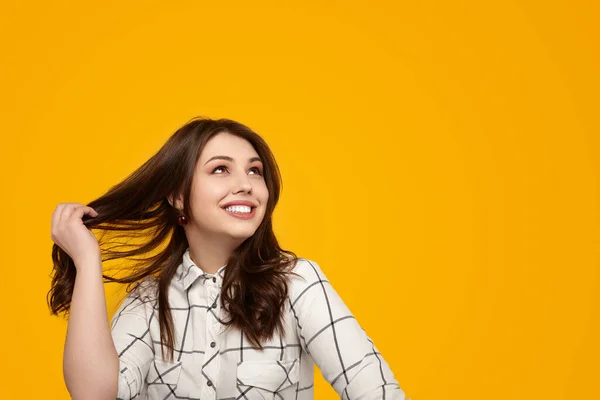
(212, 344)
(214, 305)
(209, 383)
(214, 280)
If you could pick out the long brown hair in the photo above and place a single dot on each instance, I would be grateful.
(255, 281)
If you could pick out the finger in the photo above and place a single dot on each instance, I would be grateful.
(65, 210)
(79, 212)
(90, 211)
(56, 216)
(60, 208)
(69, 209)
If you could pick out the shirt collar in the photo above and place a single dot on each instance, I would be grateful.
(188, 272)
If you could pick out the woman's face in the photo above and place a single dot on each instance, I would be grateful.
(228, 171)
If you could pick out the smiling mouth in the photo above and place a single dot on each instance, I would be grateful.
(241, 212)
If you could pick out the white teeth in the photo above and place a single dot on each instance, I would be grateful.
(239, 209)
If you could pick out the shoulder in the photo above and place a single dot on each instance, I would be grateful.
(304, 274)
(141, 297)
(146, 288)
(307, 269)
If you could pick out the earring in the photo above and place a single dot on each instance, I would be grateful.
(182, 220)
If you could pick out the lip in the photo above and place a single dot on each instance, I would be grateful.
(239, 203)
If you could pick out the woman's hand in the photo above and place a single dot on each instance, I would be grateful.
(71, 235)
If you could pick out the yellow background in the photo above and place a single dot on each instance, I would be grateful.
(440, 162)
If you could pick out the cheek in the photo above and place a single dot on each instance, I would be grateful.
(205, 196)
(262, 193)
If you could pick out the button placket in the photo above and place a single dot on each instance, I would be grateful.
(211, 351)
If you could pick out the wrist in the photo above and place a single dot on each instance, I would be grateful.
(88, 264)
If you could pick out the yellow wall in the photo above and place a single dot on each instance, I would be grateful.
(440, 162)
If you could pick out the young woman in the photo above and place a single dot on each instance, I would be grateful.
(215, 309)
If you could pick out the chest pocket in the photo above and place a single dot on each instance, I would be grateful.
(162, 378)
(259, 380)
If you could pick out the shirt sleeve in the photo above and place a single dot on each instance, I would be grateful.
(130, 330)
(345, 354)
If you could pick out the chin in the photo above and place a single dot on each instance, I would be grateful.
(242, 233)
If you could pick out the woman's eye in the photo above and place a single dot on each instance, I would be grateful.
(219, 167)
(257, 169)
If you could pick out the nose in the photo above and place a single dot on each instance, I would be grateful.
(242, 184)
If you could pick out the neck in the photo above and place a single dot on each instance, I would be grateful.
(208, 252)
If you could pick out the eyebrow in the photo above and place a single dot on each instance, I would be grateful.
(231, 159)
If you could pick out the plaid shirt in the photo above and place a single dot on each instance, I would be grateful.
(213, 363)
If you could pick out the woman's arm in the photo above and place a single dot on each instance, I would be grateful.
(90, 362)
(328, 331)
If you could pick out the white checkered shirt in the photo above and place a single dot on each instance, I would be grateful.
(213, 363)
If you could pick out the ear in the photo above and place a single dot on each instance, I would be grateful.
(178, 202)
